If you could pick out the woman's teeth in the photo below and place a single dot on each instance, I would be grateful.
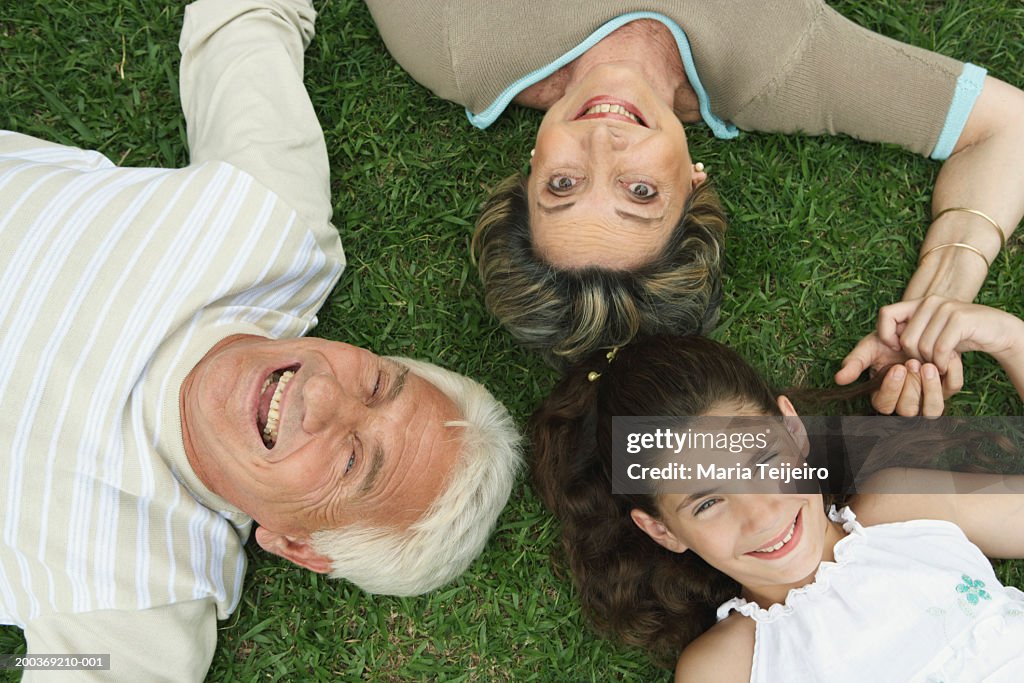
(612, 109)
(777, 546)
(274, 416)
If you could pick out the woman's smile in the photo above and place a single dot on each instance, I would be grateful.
(606, 107)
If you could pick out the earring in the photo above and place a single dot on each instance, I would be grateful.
(698, 167)
(532, 152)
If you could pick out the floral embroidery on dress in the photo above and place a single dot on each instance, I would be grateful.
(971, 591)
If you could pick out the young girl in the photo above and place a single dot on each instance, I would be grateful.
(778, 587)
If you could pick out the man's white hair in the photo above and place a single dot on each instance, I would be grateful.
(451, 533)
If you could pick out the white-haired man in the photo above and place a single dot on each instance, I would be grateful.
(157, 395)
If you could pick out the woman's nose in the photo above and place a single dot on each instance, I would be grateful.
(325, 403)
(605, 137)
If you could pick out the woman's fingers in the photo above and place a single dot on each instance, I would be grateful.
(892, 322)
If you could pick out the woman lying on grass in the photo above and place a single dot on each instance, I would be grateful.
(614, 231)
(782, 586)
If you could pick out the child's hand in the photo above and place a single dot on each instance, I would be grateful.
(909, 389)
(936, 329)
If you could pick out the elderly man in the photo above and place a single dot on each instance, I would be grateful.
(156, 397)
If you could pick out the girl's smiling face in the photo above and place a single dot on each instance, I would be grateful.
(770, 542)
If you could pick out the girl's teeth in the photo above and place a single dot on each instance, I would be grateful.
(781, 543)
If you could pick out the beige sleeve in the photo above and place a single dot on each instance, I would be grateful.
(173, 643)
(245, 102)
(843, 78)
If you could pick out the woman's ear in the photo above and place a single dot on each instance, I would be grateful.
(699, 176)
(658, 532)
(794, 425)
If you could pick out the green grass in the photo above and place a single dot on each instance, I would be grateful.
(823, 232)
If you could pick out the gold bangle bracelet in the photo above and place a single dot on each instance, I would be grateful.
(1002, 236)
(960, 245)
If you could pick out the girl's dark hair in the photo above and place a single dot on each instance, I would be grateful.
(631, 588)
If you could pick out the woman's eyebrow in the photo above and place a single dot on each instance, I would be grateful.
(555, 208)
(648, 220)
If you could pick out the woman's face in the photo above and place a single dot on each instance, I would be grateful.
(610, 174)
(768, 541)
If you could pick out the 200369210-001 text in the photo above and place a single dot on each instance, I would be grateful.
(55, 662)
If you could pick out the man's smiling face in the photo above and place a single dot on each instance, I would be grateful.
(349, 437)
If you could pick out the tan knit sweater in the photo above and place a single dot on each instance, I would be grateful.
(775, 66)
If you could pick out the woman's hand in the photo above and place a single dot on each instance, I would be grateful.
(910, 387)
(937, 329)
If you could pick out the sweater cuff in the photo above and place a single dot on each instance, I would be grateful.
(968, 87)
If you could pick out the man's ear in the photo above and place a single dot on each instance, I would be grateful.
(297, 550)
(658, 532)
(794, 425)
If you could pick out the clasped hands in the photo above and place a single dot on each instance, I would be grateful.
(920, 341)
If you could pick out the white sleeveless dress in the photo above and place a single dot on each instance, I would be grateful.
(906, 602)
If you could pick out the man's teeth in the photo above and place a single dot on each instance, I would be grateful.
(777, 546)
(274, 416)
(612, 109)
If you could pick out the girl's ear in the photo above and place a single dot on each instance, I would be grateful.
(794, 425)
(658, 532)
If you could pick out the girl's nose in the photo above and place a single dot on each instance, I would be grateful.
(762, 513)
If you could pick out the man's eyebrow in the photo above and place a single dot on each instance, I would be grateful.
(376, 465)
(377, 459)
(397, 384)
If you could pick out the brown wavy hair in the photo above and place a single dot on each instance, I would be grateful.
(632, 589)
(566, 313)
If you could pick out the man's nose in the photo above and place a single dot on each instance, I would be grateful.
(326, 402)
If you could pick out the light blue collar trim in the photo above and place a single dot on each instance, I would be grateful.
(720, 128)
(968, 87)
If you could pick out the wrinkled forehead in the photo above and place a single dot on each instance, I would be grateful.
(430, 446)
